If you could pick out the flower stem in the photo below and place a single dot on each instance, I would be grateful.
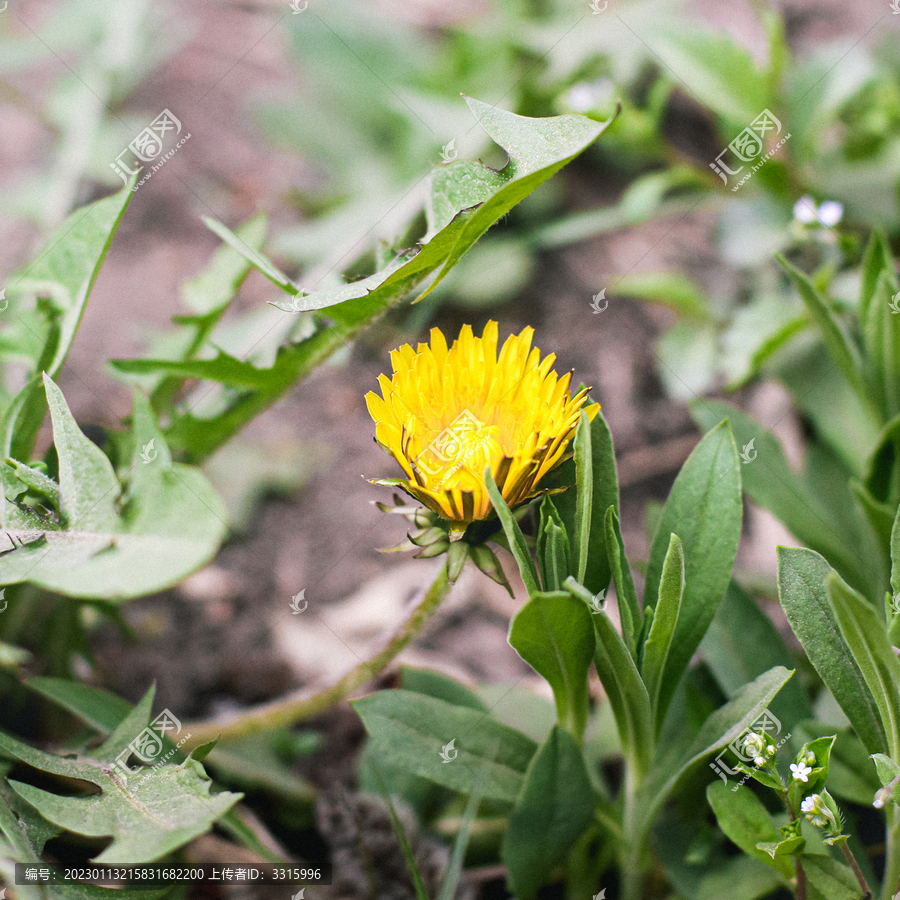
(851, 861)
(301, 705)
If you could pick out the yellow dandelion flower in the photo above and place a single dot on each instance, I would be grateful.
(446, 414)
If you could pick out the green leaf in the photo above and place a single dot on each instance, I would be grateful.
(69, 265)
(555, 807)
(155, 811)
(719, 730)
(626, 596)
(626, 691)
(704, 510)
(552, 547)
(770, 483)
(250, 254)
(171, 523)
(746, 822)
(672, 289)
(865, 637)
(742, 643)
(440, 686)
(97, 708)
(881, 339)
(827, 879)
(517, 544)
(665, 620)
(554, 634)
(876, 261)
(719, 73)
(801, 586)
(584, 496)
(895, 554)
(413, 731)
(537, 149)
(839, 345)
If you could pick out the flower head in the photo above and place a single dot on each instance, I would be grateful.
(800, 771)
(446, 414)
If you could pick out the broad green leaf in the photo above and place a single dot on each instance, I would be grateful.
(552, 547)
(719, 73)
(742, 643)
(801, 586)
(97, 708)
(440, 686)
(67, 269)
(153, 812)
(844, 353)
(662, 631)
(739, 878)
(171, 523)
(626, 691)
(26, 833)
(770, 482)
(554, 634)
(746, 822)
(866, 638)
(704, 510)
(514, 536)
(555, 807)
(87, 483)
(418, 733)
(719, 730)
(630, 614)
(828, 879)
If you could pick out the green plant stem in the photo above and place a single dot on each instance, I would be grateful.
(851, 861)
(632, 871)
(301, 705)
(892, 858)
(800, 893)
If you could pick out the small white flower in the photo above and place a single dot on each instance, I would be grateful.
(800, 772)
(809, 804)
(830, 213)
(759, 760)
(805, 210)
